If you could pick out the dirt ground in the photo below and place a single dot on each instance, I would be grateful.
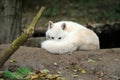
(103, 64)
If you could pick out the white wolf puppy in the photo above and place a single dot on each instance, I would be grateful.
(68, 36)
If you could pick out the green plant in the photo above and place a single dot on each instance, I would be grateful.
(20, 73)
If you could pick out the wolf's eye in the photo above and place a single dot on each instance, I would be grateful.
(59, 38)
(52, 37)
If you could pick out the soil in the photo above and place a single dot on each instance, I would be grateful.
(103, 64)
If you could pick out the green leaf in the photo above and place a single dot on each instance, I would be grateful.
(18, 74)
(9, 74)
(23, 70)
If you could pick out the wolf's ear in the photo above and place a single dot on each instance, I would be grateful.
(63, 26)
(50, 24)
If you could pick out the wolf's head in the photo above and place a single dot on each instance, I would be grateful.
(56, 31)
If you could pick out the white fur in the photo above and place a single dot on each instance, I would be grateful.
(73, 37)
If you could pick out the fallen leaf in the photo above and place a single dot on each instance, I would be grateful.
(75, 75)
(55, 64)
(83, 71)
(11, 61)
(91, 60)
